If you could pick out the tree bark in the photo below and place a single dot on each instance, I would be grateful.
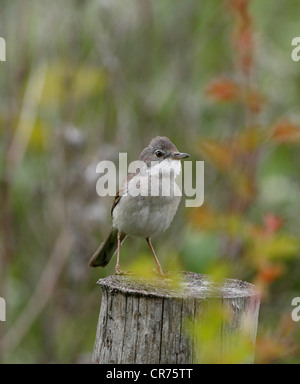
(185, 318)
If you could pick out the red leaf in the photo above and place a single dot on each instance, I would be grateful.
(224, 90)
(285, 132)
(272, 223)
(271, 273)
(220, 154)
(255, 101)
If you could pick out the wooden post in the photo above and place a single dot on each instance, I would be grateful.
(165, 321)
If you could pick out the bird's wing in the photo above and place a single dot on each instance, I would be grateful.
(118, 196)
(116, 200)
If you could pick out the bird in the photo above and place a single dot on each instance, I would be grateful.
(149, 212)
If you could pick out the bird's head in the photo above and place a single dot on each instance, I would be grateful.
(160, 149)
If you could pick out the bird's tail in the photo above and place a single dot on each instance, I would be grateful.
(106, 250)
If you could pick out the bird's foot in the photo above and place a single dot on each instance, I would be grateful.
(119, 272)
(159, 272)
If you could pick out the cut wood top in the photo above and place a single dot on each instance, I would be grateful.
(179, 285)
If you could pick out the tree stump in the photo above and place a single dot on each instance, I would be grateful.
(183, 319)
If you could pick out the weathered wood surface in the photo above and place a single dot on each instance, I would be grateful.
(145, 321)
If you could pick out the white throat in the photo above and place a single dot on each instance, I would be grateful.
(166, 167)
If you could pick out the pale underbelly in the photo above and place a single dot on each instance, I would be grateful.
(144, 216)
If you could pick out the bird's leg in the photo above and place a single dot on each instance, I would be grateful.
(118, 269)
(159, 268)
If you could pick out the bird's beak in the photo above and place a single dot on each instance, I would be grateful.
(180, 155)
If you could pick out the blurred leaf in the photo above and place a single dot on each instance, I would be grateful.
(223, 90)
(269, 350)
(145, 267)
(243, 35)
(255, 100)
(249, 140)
(244, 185)
(219, 154)
(282, 344)
(218, 270)
(40, 138)
(54, 82)
(200, 251)
(282, 246)
(64, 81)
(206, 334)
(240, 6)
(230, 159)
(285, 132)
(88, 81)
(262, 249)
(272, 223)
(279, 162)
(205, 218)
(270, 273)
(173, 262)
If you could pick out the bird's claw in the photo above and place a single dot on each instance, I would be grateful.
(159, 272)
(119, 272)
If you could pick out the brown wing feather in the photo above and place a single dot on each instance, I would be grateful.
(116, 200)
(118, 197)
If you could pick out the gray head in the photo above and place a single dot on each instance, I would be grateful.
(159, 149)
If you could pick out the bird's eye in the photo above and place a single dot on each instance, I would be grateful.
(159, 153)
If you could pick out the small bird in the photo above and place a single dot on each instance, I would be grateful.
(150, 212)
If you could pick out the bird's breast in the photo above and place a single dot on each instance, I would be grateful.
(144, 216)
